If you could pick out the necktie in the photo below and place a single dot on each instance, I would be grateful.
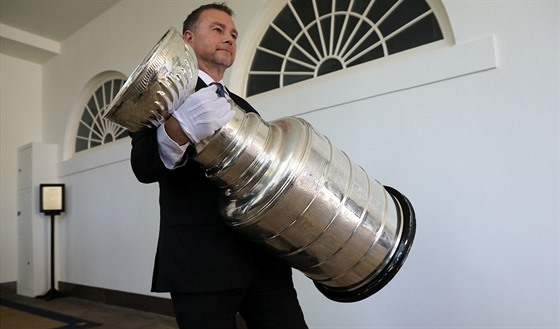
(220, 91)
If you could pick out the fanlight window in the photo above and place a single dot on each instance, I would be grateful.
(310, 38)
(94, 129)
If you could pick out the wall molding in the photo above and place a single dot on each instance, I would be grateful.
(417, 67)
(139, 302)
(104, 155)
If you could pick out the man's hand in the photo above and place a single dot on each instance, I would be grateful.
(203, 113)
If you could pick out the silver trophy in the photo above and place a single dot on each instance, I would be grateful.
(284, 186)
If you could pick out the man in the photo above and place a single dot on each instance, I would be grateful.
(211, 272)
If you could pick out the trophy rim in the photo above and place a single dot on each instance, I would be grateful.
(143, 72)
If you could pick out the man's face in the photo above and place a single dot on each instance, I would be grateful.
(213, 40)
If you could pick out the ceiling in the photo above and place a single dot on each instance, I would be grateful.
(32, 30)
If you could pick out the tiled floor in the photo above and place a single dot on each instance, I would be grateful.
(111, 317)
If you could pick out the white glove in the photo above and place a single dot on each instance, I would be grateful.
(203, 113)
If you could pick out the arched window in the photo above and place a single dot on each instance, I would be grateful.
(310, 38)
(94, 129)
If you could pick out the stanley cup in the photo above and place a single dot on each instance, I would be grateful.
(284, 186)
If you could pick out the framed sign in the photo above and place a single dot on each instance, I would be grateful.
(52, 199)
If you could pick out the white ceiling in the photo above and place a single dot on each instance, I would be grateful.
(33, 29)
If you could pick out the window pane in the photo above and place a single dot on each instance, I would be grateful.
(306, 15)
(261, 83)
(291, 79)
(275, 41)
(410, 38)
(266, 62)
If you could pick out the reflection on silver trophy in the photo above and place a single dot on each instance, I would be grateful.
(284, 186)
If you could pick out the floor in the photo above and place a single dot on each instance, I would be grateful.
(111, 317)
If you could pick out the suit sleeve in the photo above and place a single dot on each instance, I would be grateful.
(145, 158)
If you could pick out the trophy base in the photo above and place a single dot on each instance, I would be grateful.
(346, 295)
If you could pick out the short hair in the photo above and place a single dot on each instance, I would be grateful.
(191, 21)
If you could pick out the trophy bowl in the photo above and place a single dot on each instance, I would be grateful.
(164, 79)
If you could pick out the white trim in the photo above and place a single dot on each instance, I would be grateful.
(409, 69)
(103, 155)
(29, 39)
(443, 20)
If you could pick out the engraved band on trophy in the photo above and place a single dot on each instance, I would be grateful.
(284, 186)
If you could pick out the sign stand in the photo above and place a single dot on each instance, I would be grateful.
(52, 202)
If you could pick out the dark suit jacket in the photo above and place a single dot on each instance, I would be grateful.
(196, 251)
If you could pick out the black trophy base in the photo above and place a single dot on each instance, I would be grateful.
(375, 283)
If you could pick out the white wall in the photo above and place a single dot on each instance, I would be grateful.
(478, 157)
(468, 132)
(109, 231)
(20, 123)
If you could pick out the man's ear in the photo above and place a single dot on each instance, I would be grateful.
(188, 36)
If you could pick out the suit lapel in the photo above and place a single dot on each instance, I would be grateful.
(241, 102)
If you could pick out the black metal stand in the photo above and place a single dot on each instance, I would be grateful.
(52, 293)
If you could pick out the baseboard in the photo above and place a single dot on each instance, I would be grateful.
(118, 298)
(8, 288)
(140, 302)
